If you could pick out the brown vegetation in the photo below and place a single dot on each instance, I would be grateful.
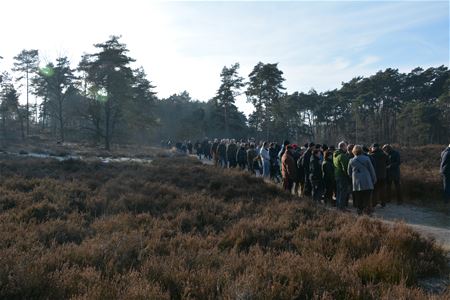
(178, 229)
(420, 173)
(41, 145)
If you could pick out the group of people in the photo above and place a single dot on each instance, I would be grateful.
(326, 174)
(351, 171)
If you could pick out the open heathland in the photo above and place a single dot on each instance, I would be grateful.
(420, 173)
(178, 229)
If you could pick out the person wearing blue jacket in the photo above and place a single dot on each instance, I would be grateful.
(445, 172)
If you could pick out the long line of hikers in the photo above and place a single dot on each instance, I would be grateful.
(326, 174)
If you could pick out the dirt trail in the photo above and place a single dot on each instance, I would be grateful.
(425, 220)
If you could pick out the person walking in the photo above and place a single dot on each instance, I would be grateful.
(315, 174)
(241, 157)
(265, 159)
(222, 153)
(251, 157)
(288, 169)
(361, 170)
(393, 172)
(231, 154)
(283, 149)
(198, 149)
(300, 178)
(328, 177)
(205, 148)
(445, 172)
(189, 147)
(214, 153)
(304, 162)
(379, 161)
(340, 162)
(274, 164)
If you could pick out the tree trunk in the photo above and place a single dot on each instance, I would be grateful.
(44, 112)
(107, 124)
(227, 132)
(28, 110)
(4, 125)
(61, 122)
(22, 130)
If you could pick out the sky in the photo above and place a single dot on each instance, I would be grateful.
(184, 45)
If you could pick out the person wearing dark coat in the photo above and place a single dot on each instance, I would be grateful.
(393, 172)
(304, 162)
(340, 161)
(296, 154)
(198, 149)
(214, 153)
(251, 158)
(231, 154)
(241, 157)
(329, 181)
(445, 172)
(288, 169)
(315, 175)
(380, 161)
(208, 148)
(300, 172)
(205, 148)
(222, 154)
(274, 164)
(350, 151)
(184, 148)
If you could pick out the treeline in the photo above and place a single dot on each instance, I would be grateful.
(105, 100)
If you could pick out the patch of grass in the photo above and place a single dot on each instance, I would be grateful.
(178, 229)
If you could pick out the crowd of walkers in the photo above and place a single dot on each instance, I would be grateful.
(331, 175)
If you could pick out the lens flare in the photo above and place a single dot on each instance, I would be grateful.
(101, 95)
(47, 71)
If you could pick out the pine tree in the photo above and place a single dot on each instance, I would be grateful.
(228, 91)
(27, 63)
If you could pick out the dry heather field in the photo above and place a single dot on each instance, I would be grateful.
(420, 173)
(176, 229)
(421, 182)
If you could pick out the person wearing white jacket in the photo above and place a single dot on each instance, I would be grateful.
(265, 159)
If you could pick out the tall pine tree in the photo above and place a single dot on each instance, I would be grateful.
(228, 91)
(27, 63)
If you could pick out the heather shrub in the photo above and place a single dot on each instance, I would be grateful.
(40, 212)
(384, 266)
(420, 173)
(61, 232)
(178, 229)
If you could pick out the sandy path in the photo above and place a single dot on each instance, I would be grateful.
(425, 220)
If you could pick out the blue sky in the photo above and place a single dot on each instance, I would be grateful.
(184, 45)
